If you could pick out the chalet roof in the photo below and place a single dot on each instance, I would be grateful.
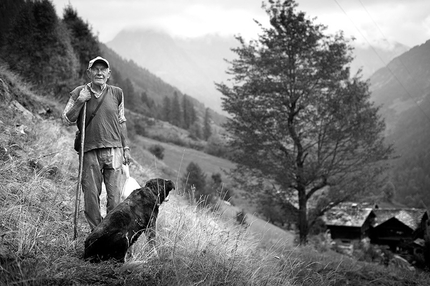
(347, 214)
(409, 217)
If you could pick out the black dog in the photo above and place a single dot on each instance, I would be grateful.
(124, 224)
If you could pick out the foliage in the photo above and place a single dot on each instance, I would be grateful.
(207, 130)
(203, 191)
(84, 43)
(194, 176)
(217, 188)
(410, 178)
(195, 131)
(189, 112)
(298, 119)
(8, 11)
(167, 110)
(177, 113)
(157, 150)
(372, 253)
(216, 146)
(276, 210)
(39, 48)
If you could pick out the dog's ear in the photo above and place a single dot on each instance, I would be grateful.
(165, 186)
(169, 186)
(160, 187)
(154, 184)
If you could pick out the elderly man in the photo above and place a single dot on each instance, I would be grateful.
(106, 143)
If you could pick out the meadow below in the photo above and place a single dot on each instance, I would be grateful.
(195, 246)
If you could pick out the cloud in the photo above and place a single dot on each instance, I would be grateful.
(373, 22)
(368, 21)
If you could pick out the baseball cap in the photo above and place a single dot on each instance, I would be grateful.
(98, 59)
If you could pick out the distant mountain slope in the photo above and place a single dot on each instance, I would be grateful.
(192, 65)
(403, 83)
(403, 90)
(155, 87)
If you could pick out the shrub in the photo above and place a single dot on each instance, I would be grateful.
(157, 150)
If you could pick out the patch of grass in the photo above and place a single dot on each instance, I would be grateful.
(178, 158)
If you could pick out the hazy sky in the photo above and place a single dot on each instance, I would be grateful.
(369, 21)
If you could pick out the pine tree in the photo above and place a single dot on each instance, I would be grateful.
(207, 129)
(167, 110)
(194, 176)
(39, 47)
(132, 99)
(176, 111)
(185, 112)
(9, 9)
(85, 44)
(196, 130)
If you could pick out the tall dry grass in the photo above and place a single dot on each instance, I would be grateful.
(198, 247)
(38, 172)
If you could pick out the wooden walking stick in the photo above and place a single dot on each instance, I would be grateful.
(79, 186)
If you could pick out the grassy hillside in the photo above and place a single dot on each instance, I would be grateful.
(195, 246)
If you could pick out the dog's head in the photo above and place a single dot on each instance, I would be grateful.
(160, 187)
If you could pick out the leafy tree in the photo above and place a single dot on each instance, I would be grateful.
(207, 130)
(298, 120)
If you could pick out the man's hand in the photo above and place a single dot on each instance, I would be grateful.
(127, 156)
(84, 95)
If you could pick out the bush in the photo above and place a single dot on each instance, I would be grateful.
(157, 150)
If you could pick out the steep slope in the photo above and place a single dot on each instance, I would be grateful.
(402, 84)
(403, 90)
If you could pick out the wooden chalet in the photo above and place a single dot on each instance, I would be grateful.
(402, 229)
(349, 222)
(397, 227)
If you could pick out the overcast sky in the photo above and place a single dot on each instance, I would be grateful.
(369, 21)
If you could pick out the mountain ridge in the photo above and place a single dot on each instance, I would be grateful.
(402, 90)
(192, 65)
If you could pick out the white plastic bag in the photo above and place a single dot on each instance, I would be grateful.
(130, 183)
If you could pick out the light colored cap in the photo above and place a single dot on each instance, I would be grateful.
(98, 59)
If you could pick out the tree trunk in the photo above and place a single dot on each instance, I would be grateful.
(303, 217)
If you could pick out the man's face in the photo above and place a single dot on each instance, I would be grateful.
(99, 73)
